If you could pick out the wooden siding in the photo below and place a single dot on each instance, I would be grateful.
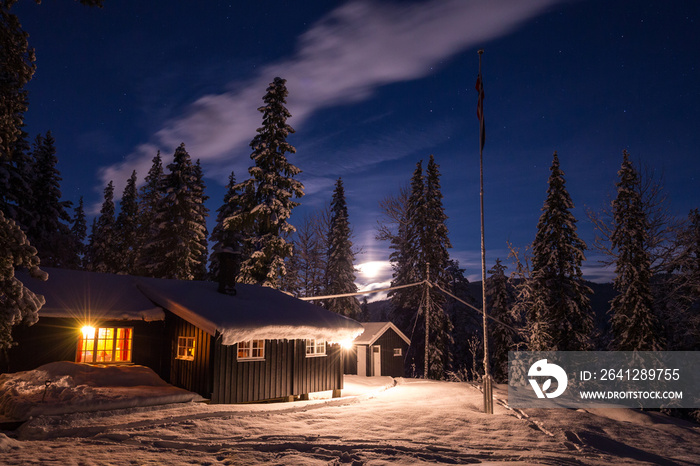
(285, 371)
(392, 365)
(350, 360)
(193, 375)
(54, 339)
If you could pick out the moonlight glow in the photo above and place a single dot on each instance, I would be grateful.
(372, 269)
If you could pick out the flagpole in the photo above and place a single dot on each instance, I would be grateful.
(487, 387)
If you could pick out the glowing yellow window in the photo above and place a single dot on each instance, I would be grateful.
(104, 345)
(185, 348)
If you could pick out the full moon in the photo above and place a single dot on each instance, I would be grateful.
(371, 269)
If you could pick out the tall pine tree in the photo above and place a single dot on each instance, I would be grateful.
(126, 228)
(561, 318)
(17, 303)
(634, 325)
(149, 198)
(268, 194)
(177, 249)
(79, 233)
(420, 239)
(198, 194)
(223, 238)
(340, 269)
(103, 248)
(683, 278)
(499, 299)
(50, 232)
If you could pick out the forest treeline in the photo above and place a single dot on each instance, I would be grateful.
(159, 230)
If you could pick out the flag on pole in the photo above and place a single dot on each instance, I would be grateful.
(480, 111)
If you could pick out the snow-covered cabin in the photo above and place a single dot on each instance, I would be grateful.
(257, 345)
(380, 350)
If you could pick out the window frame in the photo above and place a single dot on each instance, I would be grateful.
(100, 344)
(398, 352)
(183, 343)
(251, 347)
(317, 350)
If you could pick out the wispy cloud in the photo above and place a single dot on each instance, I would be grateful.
(342, 58)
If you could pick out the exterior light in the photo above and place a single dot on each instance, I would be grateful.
(346, 344)
(88, 332)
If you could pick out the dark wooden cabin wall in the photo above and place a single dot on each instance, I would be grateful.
(285, 371)
(392, 365)
(194, 375)
(49, 340)
(54, 339)
(350, 360)
(242, 381)
(317, 373)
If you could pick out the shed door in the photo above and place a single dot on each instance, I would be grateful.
(376, 360)
(361, 360)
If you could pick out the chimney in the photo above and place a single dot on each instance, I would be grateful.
(229, 266)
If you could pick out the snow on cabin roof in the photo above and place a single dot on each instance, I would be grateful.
(255, 312)
(89, 296)
(374, 330)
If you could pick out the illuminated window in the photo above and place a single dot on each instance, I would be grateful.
(251, 349)
(315, 348)
(185, 348)
(104, 345)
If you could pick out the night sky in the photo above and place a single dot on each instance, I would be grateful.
(376, 86)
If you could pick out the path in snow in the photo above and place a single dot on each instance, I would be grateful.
(414, 422)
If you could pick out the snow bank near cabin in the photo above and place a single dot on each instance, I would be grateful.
(67, 387)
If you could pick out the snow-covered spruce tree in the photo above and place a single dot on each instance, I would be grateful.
(226, 238)
(634, 325)
(405, 254)
(434, 244)
(149, 197)
(126, 228)
(17, 66)
(177, 249)
(365, 315)
(50, 233)
(16, 182)
(561, 318)
(465, 321)
(269, 192)
(340, 271)
(103, 252)
(79, 233)
(198, 193)
(499, 299)
(683, 280)
(420, 238)
(17, 303)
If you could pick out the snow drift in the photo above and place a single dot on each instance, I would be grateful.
(67, 387)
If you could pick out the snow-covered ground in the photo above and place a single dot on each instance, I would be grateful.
(375, 422)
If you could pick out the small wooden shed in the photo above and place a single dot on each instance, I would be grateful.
(380, 350)
(258, 345)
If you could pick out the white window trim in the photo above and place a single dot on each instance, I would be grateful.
(317, 347)
(398, 352)
(186, 341)
(250, 351)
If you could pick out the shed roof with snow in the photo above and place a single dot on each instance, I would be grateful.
(374, 330)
